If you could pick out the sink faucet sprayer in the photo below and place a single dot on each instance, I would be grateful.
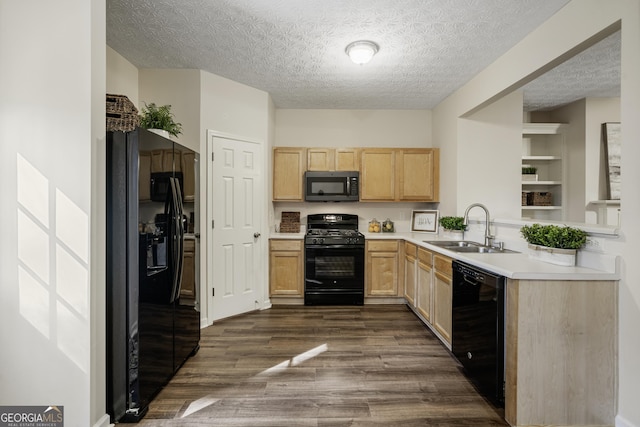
(488, 238)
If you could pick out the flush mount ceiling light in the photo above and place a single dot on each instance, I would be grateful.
(361, 51)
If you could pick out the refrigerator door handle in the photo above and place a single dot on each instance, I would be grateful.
(178, 238)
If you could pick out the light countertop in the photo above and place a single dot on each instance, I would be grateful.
(512, 265)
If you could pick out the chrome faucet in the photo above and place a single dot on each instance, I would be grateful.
(488, 238)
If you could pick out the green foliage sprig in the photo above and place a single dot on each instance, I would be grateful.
(554, 236)
(154, 117)
(452, 222)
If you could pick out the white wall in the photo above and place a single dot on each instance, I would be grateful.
(180, 89)
(122, 77)
(590, 21)
(489, 149)
(52, 108)
(353, 128)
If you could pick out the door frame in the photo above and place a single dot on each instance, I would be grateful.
(207, 285)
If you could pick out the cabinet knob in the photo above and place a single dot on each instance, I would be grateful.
(256, 235)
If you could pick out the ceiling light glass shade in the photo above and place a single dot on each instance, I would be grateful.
(361, 51)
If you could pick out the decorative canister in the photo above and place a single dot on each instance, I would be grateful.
(374, 226)
(387, 226)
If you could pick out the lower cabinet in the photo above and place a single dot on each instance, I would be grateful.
(424, 283)
(442, 296)
(410, 254)
(286, 268)
(188, 287)
(382, 268)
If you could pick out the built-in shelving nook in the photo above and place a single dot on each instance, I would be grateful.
(543, 147)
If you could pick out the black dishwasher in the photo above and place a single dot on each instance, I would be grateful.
(478, 328)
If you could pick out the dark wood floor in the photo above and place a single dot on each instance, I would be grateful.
(321, 366)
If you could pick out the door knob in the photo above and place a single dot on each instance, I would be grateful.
(256, 235)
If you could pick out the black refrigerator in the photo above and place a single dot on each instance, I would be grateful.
(153, 313)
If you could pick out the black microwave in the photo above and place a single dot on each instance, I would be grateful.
(160, 185)
(337, 186)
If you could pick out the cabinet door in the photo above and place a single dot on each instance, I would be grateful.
(144, 181)
(443, 295)
(289, 165)
(418, 174)
(347, 159)
(410, 251)
(320, 159)
(377, 177)
(286, 268)
(189, 175)
(424, 284)
(382, 268)
(442, 305)
(188, 287)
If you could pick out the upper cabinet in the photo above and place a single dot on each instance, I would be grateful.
(418, 174)
(543, 149)
(333, 159)
(405, 174)
(377, 175)
(386, 174)
(289, 165)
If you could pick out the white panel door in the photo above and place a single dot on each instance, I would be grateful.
(237, 212)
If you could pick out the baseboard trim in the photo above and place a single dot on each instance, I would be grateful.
(104, 421)
(623, 422)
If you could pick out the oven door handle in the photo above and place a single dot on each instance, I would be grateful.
(308, 246)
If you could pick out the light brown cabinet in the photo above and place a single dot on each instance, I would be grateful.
(410, 256)
(424, 284)
(442, 294)
(382, 276)
(189, 171)
(289, 165)
(347, 159)
(418, 174)
(410, 174)
(188, 287)
(286, 268)
(144, 172)
(377, 175)
(333, 159)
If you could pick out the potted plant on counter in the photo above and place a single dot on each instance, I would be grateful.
(553, 243)
(453, 227)
(161, 118)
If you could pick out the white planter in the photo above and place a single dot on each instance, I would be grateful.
(529, 177)
(565, 257)
(453, 234)
(161, 132)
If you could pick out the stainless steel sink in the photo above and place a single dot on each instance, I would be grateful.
(466, 246)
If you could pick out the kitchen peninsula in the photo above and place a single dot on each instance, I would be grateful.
(560, 334)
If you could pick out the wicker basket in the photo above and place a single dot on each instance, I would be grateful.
(290, 222)
(122, 115)
(541, 198)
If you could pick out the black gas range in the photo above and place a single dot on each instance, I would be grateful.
(334, 260)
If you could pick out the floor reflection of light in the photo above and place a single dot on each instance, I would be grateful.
(199, 404)
(204, 402)
(295, 361)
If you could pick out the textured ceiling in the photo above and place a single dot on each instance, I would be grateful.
(294, 49)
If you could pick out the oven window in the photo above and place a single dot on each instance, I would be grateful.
(335, 266)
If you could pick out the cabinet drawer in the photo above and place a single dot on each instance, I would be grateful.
(382, 245)
(410, 249)
(424, 256)
(285, 245)
(442, 264)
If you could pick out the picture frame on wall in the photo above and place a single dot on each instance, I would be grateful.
(611, 142)
(424, 221)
